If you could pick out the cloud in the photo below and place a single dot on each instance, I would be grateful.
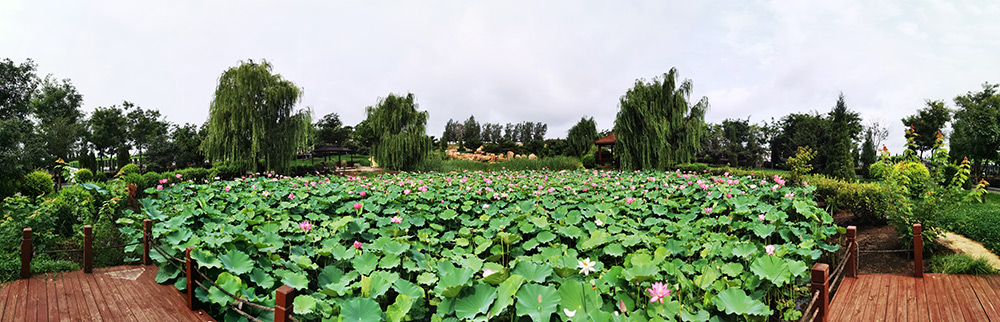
(551, 61)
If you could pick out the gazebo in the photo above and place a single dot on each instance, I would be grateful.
(330, 150)
(607, 141)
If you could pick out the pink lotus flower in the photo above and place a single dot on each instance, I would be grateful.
(178, 176)
(362, 193)
(396, 220)
(658, 292)
(707, 210)
(265, 193)
(790, 195)
(358, 205)
(159, 187)
(306, 225)
(629, 200)
(228, 188)
(357, 244)
(761, 217)
(291, 196)
(769, 249)
(164, 180)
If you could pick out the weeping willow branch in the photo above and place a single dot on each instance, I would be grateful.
(400, 131)
(656, 127)
(252, 122)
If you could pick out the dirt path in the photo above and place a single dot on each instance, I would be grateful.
(960, 244)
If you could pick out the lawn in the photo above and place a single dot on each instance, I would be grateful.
(979, 221)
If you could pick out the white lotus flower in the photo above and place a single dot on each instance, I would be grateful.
(569, 313)
(586, 266)
(599, 222)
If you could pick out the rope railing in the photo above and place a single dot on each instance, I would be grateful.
(812, 305)
(824, 284)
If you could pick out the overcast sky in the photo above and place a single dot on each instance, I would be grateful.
(512, 61)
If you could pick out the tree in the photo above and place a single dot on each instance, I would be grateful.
(976, 129)
(108, 131)
(539, 131)
(17, 84)
(252, 120)
(491, 133)
(452, 132)
(401, 140)
(581, 136)
(470, 134)
(656, 125)
(868, 154)
(145, 126)
(927, 123)
(800, 130)
(331, 131)
(56, 106)
(841, 162)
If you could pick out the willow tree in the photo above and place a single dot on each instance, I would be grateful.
(657, 126)
(582, 136)
(252, 120)
(400, 131)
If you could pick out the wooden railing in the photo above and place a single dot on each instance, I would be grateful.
(824, 285)
(284, 295)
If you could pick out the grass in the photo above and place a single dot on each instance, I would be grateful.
(961, 264)
(978, 221)
(362, 159)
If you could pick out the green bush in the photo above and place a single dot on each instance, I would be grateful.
(37, 183)
(224, 170)
(589, 161)
(73, 205)
(435, 163)
(41, 265)
(84, 175)
(692, 167)
(101, 177)
(869, 202)
(961, 264)
(800, 165)
(149, 180)
(129, 169)
(196, 174)
(134, 178)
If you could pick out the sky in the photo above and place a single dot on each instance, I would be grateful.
(511, 61)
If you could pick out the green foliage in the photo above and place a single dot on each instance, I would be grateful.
(471, 139)
(224, 170)
(463, 250)
(129, 169)
(84, 175)
(581, 137)
(331, 131)
(656, 126)
(588, 161)
(134, 178)
(800, 164)
(401, 140)
(926, 123)
(976, 129)
(869, 202)
(868, 155)
(17, 144)
(961, 264)
(978, 221)
(252, 121)
(101, 177)
(692, 167)
(841, 163)
(149, 179)
(37, 183)
(436, 164)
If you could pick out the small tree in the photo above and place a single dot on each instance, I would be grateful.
(800, 164)
(471, 138)
(400, 130)
(581, 136)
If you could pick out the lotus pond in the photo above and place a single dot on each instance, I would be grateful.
(508, 245)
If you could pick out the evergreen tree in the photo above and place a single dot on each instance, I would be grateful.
(471, 139)
(656, 126)
(840, 164)
(867, 154)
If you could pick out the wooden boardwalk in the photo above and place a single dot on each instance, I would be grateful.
(936, 297)
(122, 293)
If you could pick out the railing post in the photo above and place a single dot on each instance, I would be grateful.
(851, 270)
(918, 252)
(27, 252)
(88, 249)
(820, 273)
(283, 303)
(147, 228)
(190, 277)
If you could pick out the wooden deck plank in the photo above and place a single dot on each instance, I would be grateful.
(88, 309)
(944, 299)
(962, 294)
(971, 299)
(167, 292)
(893, 291)
(4, 293)
(21, 307)
(140, 311)
(861, 300)
(59, 286)
(920, 301)
(38, 311)
(52, 297)
(841, 299)
(92, 296)
(986, 294)
(117, 300)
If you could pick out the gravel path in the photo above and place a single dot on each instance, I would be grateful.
(960, 244)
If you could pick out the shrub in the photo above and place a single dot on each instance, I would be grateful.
(134, 178)
(129, 169)
(72, 206)
(149, 180)
(224, 170)
(588, 161)
(869, 202)
(961, 264)
(692, 167)
(37, 183)
(800, 164)
(42, 265)
(84, 175)
(101, 177)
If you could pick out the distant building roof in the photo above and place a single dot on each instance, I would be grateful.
(607, 140)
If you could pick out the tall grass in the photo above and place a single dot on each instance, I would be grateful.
(437, 163)
(961, 264)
